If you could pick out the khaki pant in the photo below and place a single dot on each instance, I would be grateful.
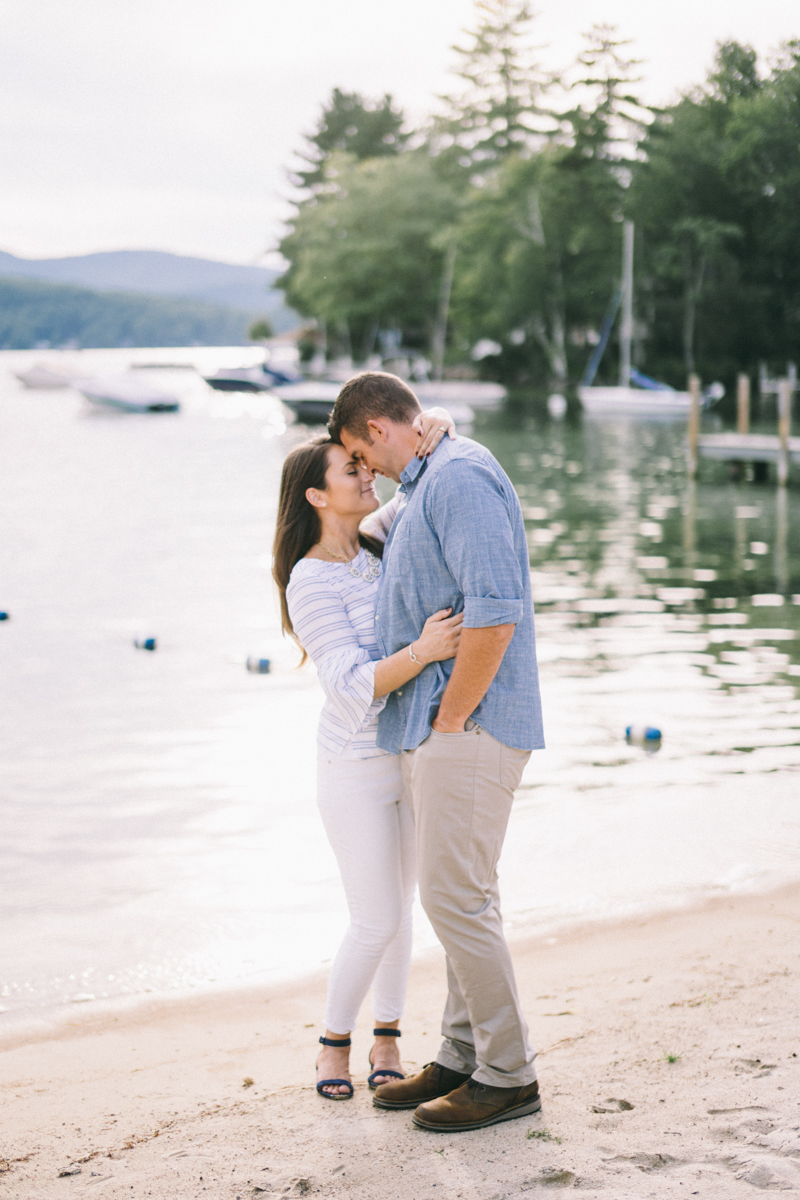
(462, 786)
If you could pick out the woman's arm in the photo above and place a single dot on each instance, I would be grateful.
(438, 641)
(431, 426)
(378, 524)
(354, 683)
(345, 669)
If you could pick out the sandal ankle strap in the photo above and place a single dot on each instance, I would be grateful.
(335, 1041)
(386, 1033)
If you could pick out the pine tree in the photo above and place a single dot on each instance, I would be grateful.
(361, 127)
(614, 117)
(500, 111)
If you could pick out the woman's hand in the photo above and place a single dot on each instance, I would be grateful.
(439, 638)
(431, 426)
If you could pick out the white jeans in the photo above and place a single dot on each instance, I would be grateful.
(368, 820)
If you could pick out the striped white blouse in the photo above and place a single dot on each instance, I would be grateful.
(333, 615)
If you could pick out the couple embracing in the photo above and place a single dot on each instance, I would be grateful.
(418, 617)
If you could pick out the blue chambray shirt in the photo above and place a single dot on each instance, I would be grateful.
(458, 541)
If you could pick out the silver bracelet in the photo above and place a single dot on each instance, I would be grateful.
(414, 658)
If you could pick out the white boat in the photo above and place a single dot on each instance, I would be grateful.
(310, 400)
(261, 378)
(449, 392)
(634, 402)
(650, 398)
(46, 375)
(126, 394)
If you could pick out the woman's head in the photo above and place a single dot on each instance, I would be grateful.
(320, 486)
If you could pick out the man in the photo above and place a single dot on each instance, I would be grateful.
(466, 727)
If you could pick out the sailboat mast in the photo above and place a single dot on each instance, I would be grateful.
(626, 331)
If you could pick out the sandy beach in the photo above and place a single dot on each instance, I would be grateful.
(668, 1062)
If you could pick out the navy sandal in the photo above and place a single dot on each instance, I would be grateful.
(383, 1070)
(337, 1082)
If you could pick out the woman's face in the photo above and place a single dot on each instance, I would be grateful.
(349, 487)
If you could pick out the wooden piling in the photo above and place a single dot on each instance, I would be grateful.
(743, 404)
(694, 423)
(784, 428)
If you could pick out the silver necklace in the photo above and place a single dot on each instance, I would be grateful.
(372, 571)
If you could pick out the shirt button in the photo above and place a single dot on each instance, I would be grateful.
(399, 691)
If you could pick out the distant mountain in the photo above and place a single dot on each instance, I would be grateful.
(155, 273)
(34, 313)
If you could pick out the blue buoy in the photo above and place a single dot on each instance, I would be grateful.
(259, 666)
(645, 736)
(4, 616)
(145, 643)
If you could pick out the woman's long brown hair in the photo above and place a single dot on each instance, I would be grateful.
(298, 527)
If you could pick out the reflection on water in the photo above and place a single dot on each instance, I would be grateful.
(160, 827)
(665, 603)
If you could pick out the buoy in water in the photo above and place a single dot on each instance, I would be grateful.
(4, 616)
(645, 736)
(259, 666)
(557, 406)
(145, 643)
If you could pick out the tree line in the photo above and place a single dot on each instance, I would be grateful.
(500, 221)
(38, 314)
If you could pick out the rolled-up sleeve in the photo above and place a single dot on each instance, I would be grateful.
(467, 508)
(346, 671)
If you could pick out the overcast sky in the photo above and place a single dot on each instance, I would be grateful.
(168, 124)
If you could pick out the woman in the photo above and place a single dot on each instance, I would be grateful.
(327, 567)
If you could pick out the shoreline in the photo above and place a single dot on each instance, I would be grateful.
(688, 1017)
(23, 1026)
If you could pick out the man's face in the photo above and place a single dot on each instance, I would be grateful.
(376, 455)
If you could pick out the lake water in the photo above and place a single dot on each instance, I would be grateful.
(159, 824)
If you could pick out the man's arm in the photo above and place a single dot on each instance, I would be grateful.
(477, 662)
(471, 518)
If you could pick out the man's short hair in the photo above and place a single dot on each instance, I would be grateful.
(367, 397)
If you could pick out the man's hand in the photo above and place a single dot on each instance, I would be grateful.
(446, 726)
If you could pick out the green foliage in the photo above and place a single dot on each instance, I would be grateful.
(524, 206)
(715, 201)
(365, 251)
(33, 313)
(612, 118)
(539, 252)
(500, 111)
(260, 330)
(350, 124)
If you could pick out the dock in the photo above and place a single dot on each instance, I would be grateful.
(743, 447)
(746, 447)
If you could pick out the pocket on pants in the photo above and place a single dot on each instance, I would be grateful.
(470, 727)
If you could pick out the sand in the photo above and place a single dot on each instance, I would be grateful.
(668, 1067)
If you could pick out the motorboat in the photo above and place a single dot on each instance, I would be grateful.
(452, 392)
(49, 376)
(126, 394)
(261, 378)
(310, 400)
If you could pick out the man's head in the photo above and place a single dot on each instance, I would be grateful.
(372, 419)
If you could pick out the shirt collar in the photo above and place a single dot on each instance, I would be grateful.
(412, 472)
(414, 469)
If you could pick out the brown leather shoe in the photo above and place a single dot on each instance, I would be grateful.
(432, 1081)
(474, 1105)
